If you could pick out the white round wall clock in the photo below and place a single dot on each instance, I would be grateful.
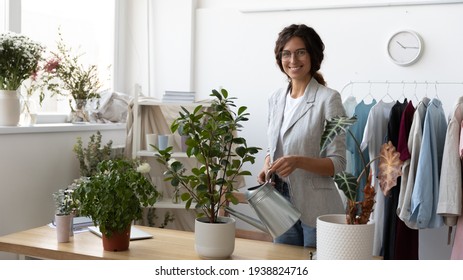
(405, 47)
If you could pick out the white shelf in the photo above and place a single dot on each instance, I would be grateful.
(145, 153)
(156, 102)
(140, 102)
(167, 204)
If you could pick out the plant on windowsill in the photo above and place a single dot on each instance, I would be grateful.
(357, 212)
(19, 59)
(212, 140)
(63, 74)
(114, 196)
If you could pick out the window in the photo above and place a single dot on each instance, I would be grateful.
(3, 15)
(87, 26)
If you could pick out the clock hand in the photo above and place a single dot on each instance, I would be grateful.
(400, 44)
(405, 47)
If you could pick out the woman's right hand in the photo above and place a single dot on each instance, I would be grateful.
(262, 177)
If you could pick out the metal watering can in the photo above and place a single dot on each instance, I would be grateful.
(276, 213)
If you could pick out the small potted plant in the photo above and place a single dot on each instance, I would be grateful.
(19, 59)
(64, 210)
(113, 198)
(358, 233)
(213, 141)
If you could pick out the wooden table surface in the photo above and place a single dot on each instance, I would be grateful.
(166, 244)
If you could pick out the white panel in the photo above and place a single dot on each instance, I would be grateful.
(171, 46)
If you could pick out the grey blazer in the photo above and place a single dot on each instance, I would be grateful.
(312, 194)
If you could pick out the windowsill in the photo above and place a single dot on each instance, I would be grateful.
(60, 127)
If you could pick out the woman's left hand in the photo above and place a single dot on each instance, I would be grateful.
(284, 166)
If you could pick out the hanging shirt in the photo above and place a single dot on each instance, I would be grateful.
(450, 192)
(358, 128)
(373, 137)
(409, 167)
(457, 249)
(349, 106)
(426, 189)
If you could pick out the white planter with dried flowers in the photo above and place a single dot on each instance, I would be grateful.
(64, 213)
(351, 235)
(62, 73)
(19, 58)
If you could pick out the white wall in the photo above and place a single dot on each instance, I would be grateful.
(234, 50)
(33, 166)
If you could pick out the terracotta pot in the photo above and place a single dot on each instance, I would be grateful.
(119, 241)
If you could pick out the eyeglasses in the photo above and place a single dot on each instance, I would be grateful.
(300, 53)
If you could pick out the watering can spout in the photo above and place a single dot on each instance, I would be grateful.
(276, 213)
(246, 218)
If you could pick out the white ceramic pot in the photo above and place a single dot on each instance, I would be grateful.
(337, 240)
(10, 108)
(215, 241)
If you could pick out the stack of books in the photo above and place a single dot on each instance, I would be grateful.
(81, 223)
(178, 96)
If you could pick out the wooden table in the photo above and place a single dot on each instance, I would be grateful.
(166, 244)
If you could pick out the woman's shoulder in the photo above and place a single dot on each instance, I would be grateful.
(276, 94)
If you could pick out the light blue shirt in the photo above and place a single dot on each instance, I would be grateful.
(361, 112)
(425, 194)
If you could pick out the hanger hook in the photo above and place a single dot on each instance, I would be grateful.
(416, 85)
(427, 86)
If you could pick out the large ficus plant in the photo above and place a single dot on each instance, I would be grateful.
(212, 139)
(390, 165)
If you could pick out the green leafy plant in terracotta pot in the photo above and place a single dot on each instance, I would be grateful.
(211, 138)
(113, 197)
(358, 212)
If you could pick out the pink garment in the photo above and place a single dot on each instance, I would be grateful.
(461, 140)
(457, 249)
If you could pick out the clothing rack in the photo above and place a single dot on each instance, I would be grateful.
(403, 83)
(386, 82)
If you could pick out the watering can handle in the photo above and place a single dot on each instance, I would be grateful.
(269, 176)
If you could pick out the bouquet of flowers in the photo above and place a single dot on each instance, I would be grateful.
(63, 74)
(19, 59)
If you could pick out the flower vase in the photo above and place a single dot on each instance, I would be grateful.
(63, 227)
(176, 196)
(10, 108)
(28, 112)
(79, 114)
